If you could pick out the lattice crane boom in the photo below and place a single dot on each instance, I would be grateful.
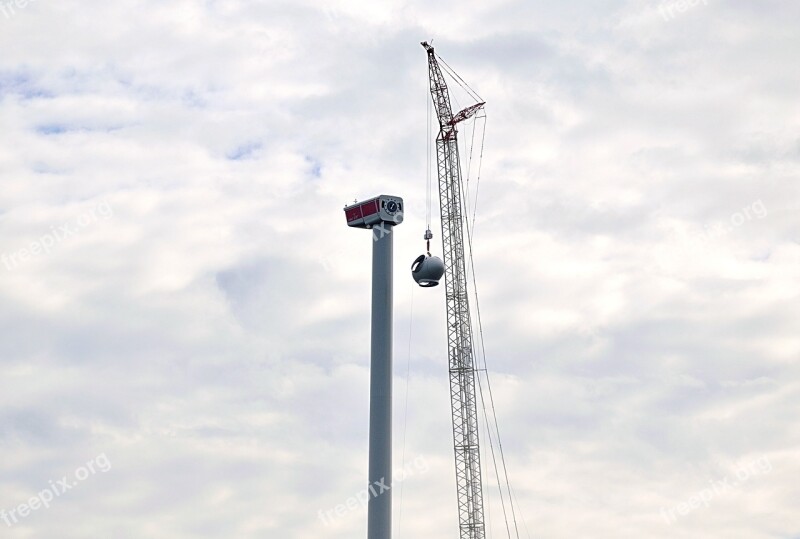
(461, 360)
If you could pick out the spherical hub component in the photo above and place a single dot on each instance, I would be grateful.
(427, 270)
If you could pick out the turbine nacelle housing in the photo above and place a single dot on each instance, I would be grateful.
(381, 209)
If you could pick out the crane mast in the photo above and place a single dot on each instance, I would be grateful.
(461, 360)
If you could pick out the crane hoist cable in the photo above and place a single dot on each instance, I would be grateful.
(428, 190)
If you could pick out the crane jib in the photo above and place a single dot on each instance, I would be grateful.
(467, 113)
(462, 369)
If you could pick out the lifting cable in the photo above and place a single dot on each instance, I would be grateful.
(461, 82)
(471, 269)
(478, 181)
(494, 423)
(428, 194)
(429, 128)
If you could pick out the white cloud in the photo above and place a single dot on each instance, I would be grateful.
(211, 337)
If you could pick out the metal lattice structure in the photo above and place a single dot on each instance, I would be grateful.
(463, 373)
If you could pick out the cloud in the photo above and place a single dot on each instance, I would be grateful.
(211, 336)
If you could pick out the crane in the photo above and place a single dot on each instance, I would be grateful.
(461, 357)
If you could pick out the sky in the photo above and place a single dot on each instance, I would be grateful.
(184, 345)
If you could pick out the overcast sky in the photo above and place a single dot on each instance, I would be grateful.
(185, 324)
